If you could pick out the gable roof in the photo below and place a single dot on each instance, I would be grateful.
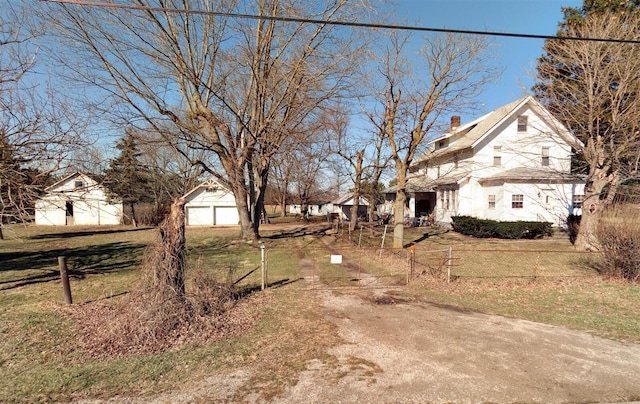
(210, 183)
(71, 176)
(342, 200)
(471, 134)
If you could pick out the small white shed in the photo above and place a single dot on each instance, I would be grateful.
(342, 206)
(211, 204)
(77, 200)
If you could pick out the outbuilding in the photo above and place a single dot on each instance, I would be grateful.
(211, 204)
(78, 199)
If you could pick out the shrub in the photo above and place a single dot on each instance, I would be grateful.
(484, 228)
(573, 227)
(618, 237)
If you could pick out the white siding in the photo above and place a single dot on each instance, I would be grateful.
(89, 201)
(211, 205)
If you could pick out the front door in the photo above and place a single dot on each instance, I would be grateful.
(69, 213)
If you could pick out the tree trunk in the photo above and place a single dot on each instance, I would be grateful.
(171, 272)
(356, 190)
(591, 208)
(1, 233)
(398, 228)
(246, 226)
(133, 215)
(354, 212)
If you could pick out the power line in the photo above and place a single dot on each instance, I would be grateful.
(340, 23)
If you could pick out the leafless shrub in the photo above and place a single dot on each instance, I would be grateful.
(166, 308)
(618, 236)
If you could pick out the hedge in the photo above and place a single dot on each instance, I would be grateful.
(483, 228)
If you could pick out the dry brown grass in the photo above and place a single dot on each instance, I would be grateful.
(618, 236)
(164, 311)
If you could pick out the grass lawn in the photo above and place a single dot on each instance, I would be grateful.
(41, 359)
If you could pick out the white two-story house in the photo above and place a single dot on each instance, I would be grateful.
(511, 164)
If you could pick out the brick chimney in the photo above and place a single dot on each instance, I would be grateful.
(455, 121)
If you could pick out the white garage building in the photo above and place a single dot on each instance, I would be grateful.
(211, 204)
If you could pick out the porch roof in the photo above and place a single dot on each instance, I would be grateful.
(414, 184)
(524, 174)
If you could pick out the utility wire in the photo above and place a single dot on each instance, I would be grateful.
(341, 23)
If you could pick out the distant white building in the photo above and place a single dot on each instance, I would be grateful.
(211, 204)
(313, 209)
(77, 200)
(342, 206)
(511, 164)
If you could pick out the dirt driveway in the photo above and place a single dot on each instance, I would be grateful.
(398, 352)
(421, 353)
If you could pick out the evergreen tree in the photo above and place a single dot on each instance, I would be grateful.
(592, 87)
(126, 177)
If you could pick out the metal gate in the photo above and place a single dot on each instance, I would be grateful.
(337, 268)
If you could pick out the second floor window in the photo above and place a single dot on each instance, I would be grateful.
(517, 201)
(545, 156)
(497, 156)
(78, 184)
(522, 123)
(492, 201)
(577, 201)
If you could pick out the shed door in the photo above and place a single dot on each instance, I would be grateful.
(199, 216)
(226, 215)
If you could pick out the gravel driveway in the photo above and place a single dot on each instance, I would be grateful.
(421, 353)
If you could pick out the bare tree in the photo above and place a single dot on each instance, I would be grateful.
(450, 71)
(350, 152)
(237, 87)
(38, 130)
(593, 88)
(282, 176)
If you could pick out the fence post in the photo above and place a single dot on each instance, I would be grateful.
(384, 234)
(360, 237)
(412, 259)
(449, 262)
(313, 270)
(64, 275)
(263, 265)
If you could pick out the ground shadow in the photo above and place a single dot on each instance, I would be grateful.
(88, 232)
(299, 232)
(93, 259)
(425, 236)
(243, 292)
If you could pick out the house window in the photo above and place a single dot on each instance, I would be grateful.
(442, 143)
(517, 201)
(577, 201)
(492, 201)
(522, 123)
(455, 161)
(545, 156)
(453, 200)
(78, 184)
(442, 199)
(497, 156)
(446, 199)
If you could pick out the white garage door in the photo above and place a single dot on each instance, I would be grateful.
(199, 216)
(226, 215)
